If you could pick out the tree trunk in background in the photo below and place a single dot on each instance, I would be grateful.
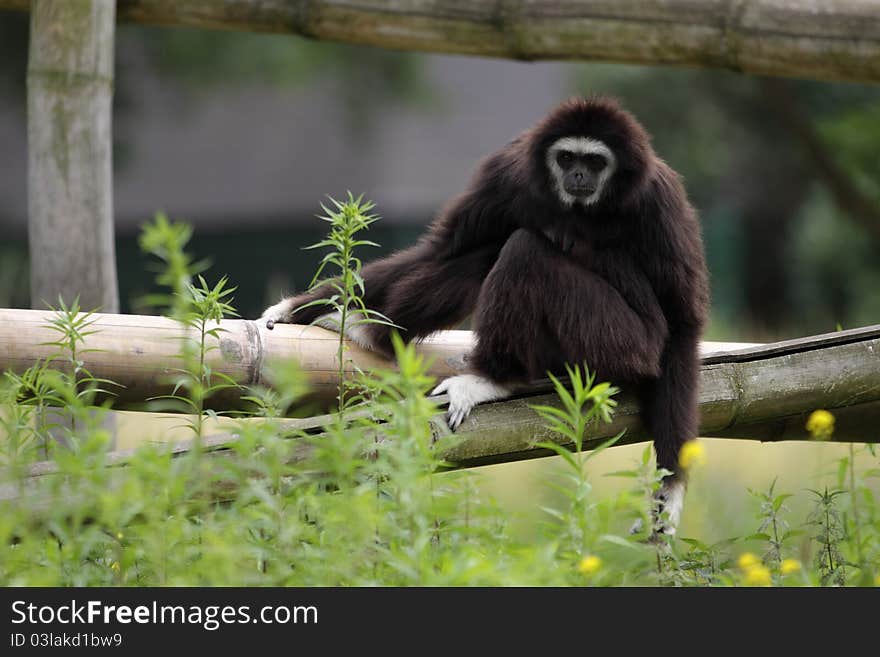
(70, 176)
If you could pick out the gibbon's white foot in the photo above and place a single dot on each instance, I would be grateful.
(277, 314)
(670, 501)
(671, 498)
(466, 391)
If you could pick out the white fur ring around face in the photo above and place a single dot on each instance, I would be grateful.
(466, 391)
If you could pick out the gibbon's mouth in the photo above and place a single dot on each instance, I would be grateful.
(580, 190)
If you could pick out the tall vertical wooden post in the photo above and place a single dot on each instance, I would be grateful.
(70, 146)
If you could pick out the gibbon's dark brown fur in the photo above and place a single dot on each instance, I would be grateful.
(620, 285)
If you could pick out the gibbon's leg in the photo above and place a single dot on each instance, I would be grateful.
(537, 311)
(416, 289)
(669, 410)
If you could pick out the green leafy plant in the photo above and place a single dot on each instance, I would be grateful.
(774, 528)
(200, 308)
(346, 305)
(167, 240)
(830, 534)
(196, 381)
(580, 408)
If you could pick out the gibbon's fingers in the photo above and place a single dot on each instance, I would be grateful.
(454, 419)
(466, 391)
(277, 314)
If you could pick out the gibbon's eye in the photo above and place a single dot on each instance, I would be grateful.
(565, 159)
(595, 162)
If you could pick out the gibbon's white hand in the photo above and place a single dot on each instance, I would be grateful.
(466, 391)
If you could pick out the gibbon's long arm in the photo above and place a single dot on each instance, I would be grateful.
(669, 402)
(432, 285)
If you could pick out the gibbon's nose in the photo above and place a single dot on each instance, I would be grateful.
(579, 177)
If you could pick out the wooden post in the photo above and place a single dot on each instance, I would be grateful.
(70, 144)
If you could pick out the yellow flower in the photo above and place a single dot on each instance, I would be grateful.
(119, 536)
(692, 453)
(747, 561)
(758, 576)
(114, 566)
(820, 424)
(589, 565)
(789, 566)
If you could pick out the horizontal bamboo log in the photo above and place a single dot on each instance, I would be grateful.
(142, 352)
(837, 40)
(741, 384)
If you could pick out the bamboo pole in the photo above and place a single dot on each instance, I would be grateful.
(141, 352)
(760, 388)
(837, 40)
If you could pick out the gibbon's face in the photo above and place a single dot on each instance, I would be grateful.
(580, 167)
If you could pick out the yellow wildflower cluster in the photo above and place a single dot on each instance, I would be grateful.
(820, 424)
(692, 453)
(747, 561)
(789, 566)
(756, 573)
(589, 564)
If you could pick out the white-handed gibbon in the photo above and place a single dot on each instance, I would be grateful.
(573, 244)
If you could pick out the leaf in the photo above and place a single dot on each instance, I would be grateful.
(622, 473)
(621, 542)
(559, 450)
(778, 501)
(559, 515)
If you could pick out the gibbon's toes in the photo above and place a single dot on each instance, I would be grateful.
(637, 527)
(659, 530)
(667, 513)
